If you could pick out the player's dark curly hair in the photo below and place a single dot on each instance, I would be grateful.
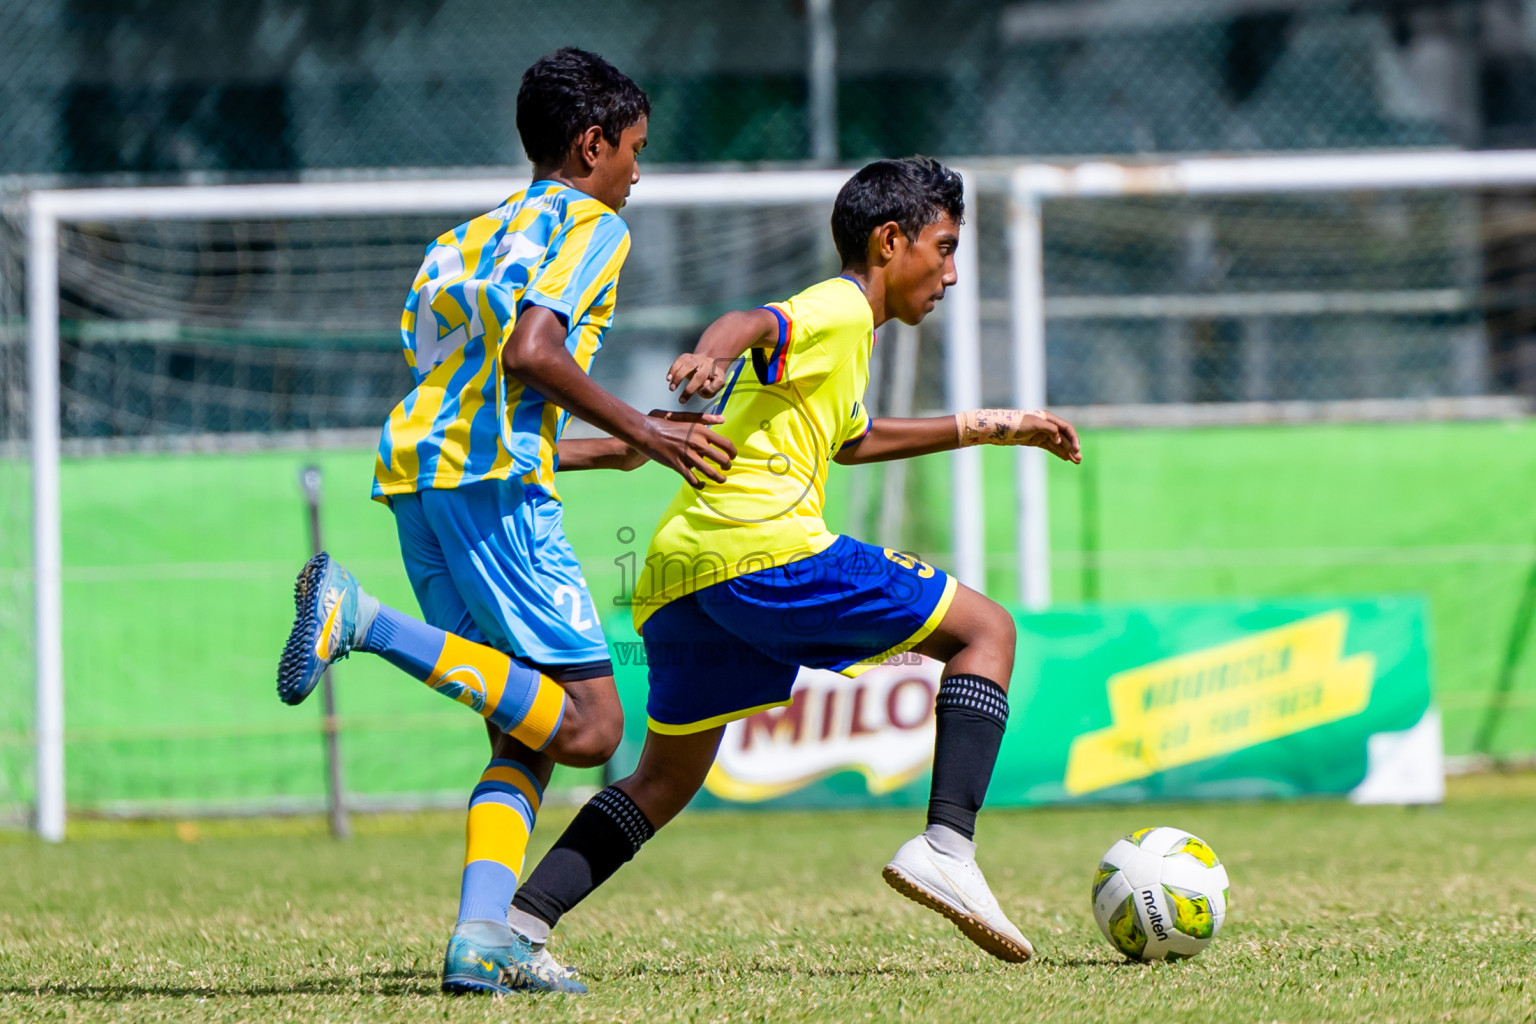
(565, 93)
(913, 192)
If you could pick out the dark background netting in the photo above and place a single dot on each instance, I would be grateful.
(274, 87)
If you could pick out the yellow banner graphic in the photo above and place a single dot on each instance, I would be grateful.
(1224, 698)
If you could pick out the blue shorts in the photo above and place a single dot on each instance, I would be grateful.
(490, 562)
(734, 648)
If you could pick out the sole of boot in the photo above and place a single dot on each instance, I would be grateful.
(292, 682)
(973, 928)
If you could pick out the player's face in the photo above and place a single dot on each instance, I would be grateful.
(922, 270)
(618, 166)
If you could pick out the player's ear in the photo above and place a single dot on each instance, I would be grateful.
(589, 146)
(883, 242)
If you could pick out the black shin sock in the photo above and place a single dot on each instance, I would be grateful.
(603, 836)
(972, 713)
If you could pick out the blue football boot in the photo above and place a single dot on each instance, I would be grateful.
(332, 614)
(487, 956)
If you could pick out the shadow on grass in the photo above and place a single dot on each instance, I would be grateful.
(426, 982)
(389, 983)
(864, 971)
(1087, 961)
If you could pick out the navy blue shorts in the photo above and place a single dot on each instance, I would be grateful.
(734, 648)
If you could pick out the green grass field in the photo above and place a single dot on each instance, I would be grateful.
(178, 571)
(1338, 913)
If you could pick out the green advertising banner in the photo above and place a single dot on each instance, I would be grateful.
(1114, 704)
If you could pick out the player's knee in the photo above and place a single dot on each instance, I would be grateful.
(589, 742)
(1003, 627)
(999, 633)
(988, 624)
(661, 790)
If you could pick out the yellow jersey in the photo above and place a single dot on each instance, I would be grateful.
(789, 409)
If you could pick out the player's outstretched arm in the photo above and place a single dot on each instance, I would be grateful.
(535, 354)
(702, 371)
(579, 453)
(905, 438)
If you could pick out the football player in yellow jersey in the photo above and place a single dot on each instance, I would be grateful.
(744, 583)
(500, 329)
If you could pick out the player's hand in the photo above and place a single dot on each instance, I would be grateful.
(697, 375)
(683, 442)
(1036, 429)
(634, 458)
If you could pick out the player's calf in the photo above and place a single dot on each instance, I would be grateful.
(610, 829)
(976, 641)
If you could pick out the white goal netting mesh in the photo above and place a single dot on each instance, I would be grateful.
(1342, 296)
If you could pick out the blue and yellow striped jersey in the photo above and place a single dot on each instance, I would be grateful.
(467, 420)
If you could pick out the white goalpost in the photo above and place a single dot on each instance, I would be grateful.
(49, 210)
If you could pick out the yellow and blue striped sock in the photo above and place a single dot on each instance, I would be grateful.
(502, 810)
(522, 702)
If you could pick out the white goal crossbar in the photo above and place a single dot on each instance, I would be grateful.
(48, 209)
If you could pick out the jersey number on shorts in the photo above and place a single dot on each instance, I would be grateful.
(906, 561)
(578, 614)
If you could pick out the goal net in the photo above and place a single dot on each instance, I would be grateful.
(1299, 376)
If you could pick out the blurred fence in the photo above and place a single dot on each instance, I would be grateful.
(277, 87)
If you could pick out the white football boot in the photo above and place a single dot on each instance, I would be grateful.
(948, 880)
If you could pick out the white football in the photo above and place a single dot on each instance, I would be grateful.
(1160, 894)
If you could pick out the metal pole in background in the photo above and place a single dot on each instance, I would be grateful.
(47, 547)
(962, 371)
(1514, 651)
(1026, 286)
(821, 81)
(1088, 510)
(335, 800)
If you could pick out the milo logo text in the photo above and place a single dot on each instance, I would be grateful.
(879, 724)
